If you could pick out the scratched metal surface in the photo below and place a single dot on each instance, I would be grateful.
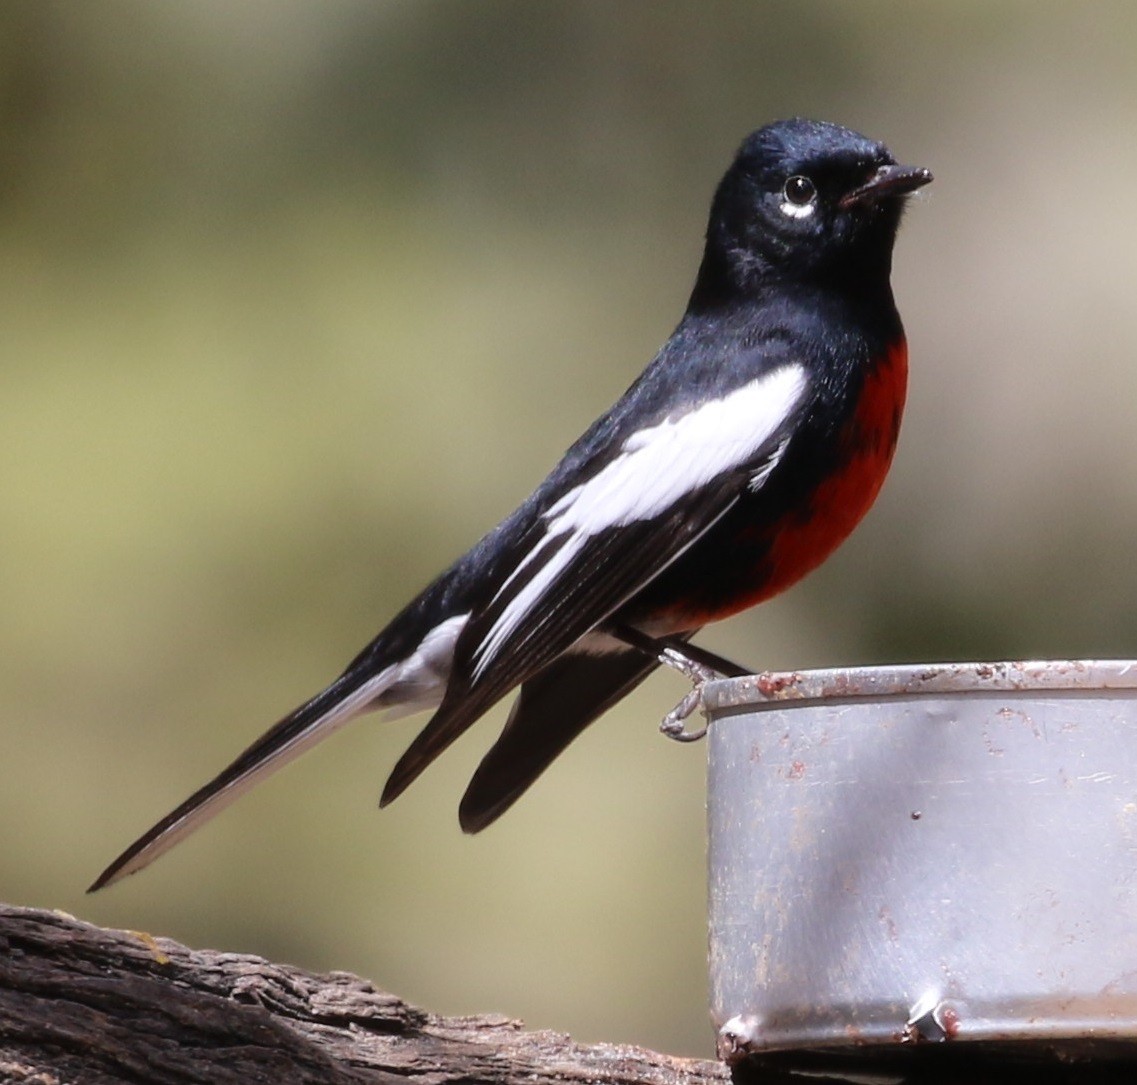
(923, 853)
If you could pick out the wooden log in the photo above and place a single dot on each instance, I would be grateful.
(82, 1004)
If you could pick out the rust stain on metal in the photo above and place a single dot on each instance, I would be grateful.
(948, 1019)
(771, 684)
(991, 746)
(1011, 714)
(855, 1036)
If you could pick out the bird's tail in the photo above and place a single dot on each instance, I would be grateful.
(413, 680)
(288, 739)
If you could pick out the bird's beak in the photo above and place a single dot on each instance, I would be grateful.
(888, 181)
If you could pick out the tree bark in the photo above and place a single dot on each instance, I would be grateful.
(81, 1004)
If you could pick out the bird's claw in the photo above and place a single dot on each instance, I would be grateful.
(697, 666)
(672, 723)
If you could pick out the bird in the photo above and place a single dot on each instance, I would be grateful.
(740, 458)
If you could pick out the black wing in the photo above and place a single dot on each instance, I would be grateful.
(554, 706)
(600, 542)
(599, 577)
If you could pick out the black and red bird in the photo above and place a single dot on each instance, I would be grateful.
(736, 463)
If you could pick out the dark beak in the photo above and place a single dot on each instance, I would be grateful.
(887, 182)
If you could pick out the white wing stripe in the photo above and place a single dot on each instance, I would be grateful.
(655, 468)
(660, 464)
(521, 603)
(758, 479)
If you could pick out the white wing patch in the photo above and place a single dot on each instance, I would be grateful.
(654, 469)
(419, 681)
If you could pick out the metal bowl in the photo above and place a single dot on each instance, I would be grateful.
(917, 853)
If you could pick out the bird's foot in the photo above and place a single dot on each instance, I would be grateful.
(693, 662)
(699, 674)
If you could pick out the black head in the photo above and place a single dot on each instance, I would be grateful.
(805, 201)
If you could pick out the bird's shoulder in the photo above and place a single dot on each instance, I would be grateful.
(707, 360)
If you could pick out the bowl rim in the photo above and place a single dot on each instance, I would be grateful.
(776, 688)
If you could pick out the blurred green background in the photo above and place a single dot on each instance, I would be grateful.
(299, 298)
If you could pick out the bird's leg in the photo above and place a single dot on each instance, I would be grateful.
(721, 666)
(696, 664)
(701, 667)
(699, 675)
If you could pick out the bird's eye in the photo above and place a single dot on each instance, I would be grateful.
(799, 197)
(799, 190)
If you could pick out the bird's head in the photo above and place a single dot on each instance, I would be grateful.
(806, 200)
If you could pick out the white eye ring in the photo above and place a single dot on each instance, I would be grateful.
(796, 210)
(799, 197)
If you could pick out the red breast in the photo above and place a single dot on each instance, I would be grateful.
(867, 441)
(802, 539)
